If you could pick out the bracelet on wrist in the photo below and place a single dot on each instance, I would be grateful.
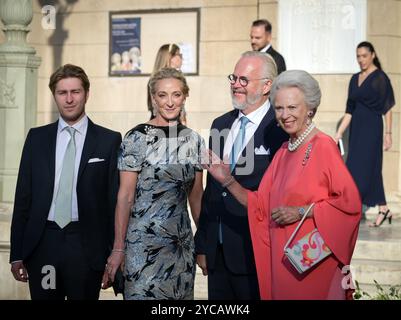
(388, 132)
(228, 182)
(118, 250)
(301, 211)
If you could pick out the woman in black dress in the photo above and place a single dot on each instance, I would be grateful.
(370, 97)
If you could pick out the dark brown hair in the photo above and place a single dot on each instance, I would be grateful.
(371, 49)
(69, 71)
(263, 22)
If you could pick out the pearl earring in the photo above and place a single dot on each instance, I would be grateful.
(154, 110)
(309, 120)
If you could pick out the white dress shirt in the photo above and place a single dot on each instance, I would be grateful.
(266, 48)
(63, 137)
(255, 118)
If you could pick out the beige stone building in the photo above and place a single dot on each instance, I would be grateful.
(82, 37)
(120, 103)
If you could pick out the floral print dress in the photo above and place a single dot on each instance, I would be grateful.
(160, 254)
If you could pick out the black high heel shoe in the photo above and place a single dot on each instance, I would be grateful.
(385, 214)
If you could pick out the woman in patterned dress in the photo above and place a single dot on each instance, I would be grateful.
(160, 170)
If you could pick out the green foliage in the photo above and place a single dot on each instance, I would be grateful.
(392, 293)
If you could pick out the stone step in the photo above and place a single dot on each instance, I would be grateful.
(200, 292)
(108, 294)
(372, 290)
(377, 250)
(394, 206)
(377, 256)
(371, 215)
(384, 272)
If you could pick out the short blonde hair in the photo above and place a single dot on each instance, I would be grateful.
(168, 73)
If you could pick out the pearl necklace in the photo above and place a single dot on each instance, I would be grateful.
(292, 146)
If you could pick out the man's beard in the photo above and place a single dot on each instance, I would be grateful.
(256, 47)
(250, 100)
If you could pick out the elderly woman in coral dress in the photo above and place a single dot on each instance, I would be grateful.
(308, 169)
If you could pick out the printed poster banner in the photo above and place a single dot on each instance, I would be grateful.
(125, 46)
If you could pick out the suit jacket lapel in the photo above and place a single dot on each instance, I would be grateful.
(259, 133)
(89, 147)
(267, 119)
(52, 150)
(225, 129)
(258, 138)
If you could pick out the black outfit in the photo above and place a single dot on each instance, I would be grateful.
(79, 251)
(367, 104)
(231, 265)
(278, 58)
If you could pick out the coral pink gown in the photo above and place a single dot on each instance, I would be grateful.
(292, 179)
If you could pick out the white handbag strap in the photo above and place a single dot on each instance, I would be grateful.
(299, 226)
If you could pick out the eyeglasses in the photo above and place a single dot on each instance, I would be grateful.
(243, 81)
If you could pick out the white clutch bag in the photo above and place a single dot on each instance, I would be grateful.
(307, 251)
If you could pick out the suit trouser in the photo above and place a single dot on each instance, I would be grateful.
(58, 268)
(225, 285)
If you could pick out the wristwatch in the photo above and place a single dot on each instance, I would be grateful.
(301, 211)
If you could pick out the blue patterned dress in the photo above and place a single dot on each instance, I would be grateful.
(160, 254)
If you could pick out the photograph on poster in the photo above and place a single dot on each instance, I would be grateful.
(136, 36)
(126, 46)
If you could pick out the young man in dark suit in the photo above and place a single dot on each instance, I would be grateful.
(261, 37)
(63, 219)
(247, 137)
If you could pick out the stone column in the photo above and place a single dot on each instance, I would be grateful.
(18, 99)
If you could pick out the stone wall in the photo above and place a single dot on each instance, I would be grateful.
(9, 288)
(384, 30)
(120, 103)
(82, 37)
